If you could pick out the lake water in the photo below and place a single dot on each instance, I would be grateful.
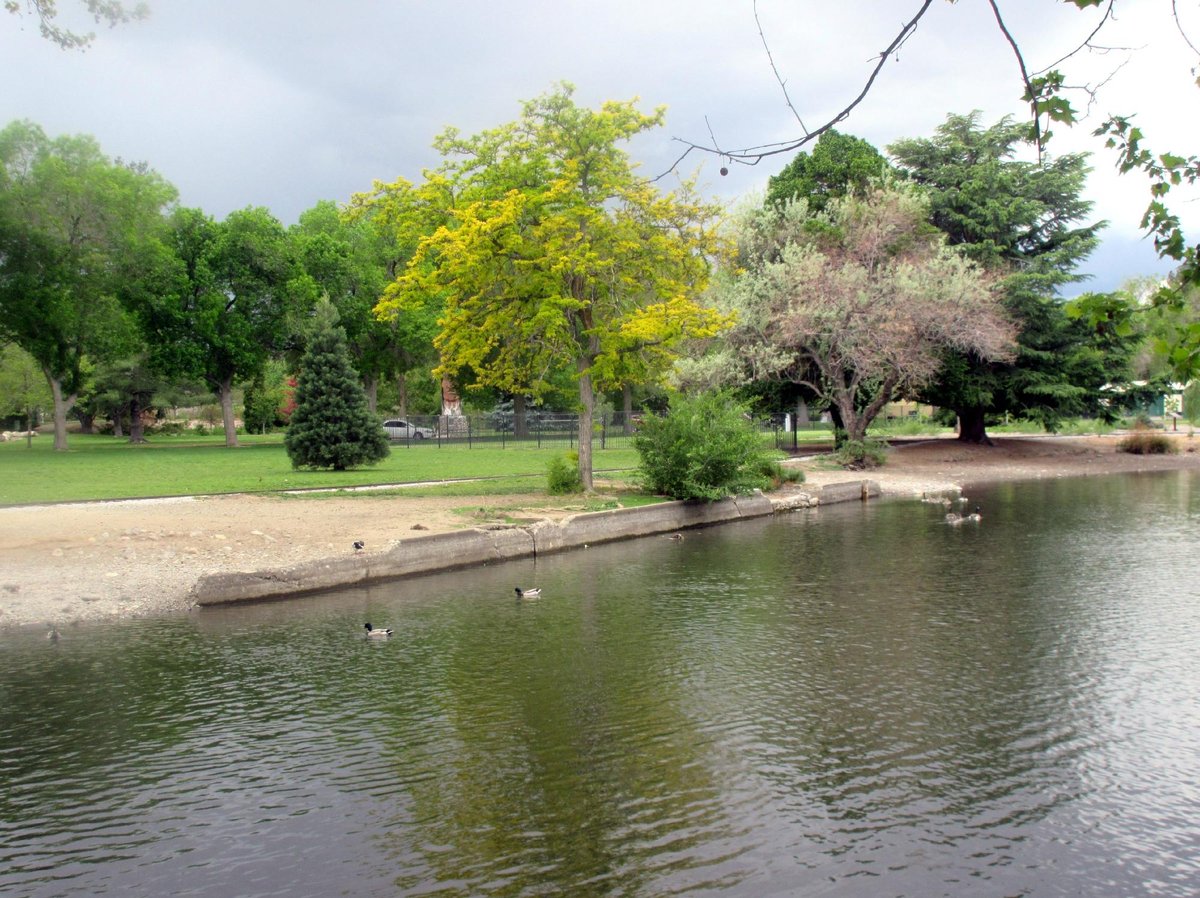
(860, 700)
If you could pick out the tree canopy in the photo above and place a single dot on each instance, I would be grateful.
(858, 302)
(839, 164)
(1048, 93)
(78, 233)
(1027, 223)
(225, 302)
(555, 254)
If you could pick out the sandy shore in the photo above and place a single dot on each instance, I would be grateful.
(61, 564)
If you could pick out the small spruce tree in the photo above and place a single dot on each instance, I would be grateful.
(332, 427)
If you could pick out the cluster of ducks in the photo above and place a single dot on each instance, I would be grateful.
(385, 632)
(953, 517)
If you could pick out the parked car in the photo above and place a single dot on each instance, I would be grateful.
(502, 418)
(399, 429)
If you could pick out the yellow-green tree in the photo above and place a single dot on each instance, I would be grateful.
(554, 253)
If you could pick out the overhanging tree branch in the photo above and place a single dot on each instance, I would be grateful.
(754, 155)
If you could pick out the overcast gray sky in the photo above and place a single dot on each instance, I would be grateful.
(282, 103)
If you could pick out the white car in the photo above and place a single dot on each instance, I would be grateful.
(399, 429)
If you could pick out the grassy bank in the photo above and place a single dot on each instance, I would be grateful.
(103, 467)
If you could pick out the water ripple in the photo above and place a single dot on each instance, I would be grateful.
(856, 701)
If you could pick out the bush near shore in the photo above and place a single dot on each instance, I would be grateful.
(1146, 442)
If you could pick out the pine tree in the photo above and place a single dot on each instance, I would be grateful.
(332, 427)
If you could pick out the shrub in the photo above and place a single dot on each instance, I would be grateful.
(563, 474)
(778, 475)
(859, 454)
(1145, 442)
(703, 448)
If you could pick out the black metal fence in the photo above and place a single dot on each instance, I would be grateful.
(611, 430)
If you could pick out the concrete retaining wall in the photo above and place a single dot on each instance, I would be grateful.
(468, 548)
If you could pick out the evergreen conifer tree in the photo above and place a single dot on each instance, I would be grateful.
(332, 427)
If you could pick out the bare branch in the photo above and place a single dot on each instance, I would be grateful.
(713, 136)
(1093, 92)
(754, 155)
(782, 83)
(1179, 25)
(1087, 43)
(1031, 94)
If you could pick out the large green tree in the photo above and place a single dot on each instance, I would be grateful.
(557, 254)
(77, 239)
(839, 164)
(350, 262)
(1026, 221)
(225, 301)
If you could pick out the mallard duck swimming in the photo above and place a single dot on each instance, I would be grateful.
(675, 536)
(381, 633)
(527, 593)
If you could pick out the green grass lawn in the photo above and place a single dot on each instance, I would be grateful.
(104, 467)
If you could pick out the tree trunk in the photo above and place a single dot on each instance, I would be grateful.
(587, 398)
(801, 413)
(402, 394)
(371, 388)
(971, 427)
(87, 422)
(839, 426)
(520, 418)
(225, 392)
(118, 427)
(451, 402)
(627, 408)
(136, 431)
(62, 408)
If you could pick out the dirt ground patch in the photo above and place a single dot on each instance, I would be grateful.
(61, 564)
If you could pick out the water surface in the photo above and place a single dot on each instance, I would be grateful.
(860, 700)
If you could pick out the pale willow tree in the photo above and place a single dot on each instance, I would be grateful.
(857, 303)
(556, 255)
